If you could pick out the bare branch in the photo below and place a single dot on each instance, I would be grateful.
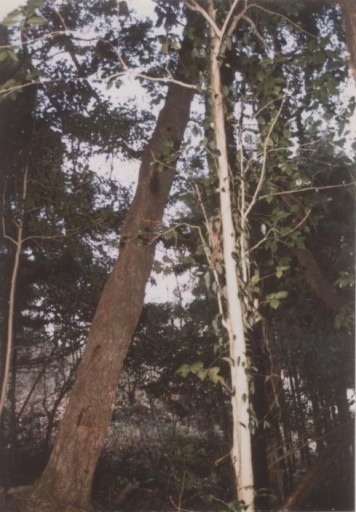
(257, 32)
(228, 18)
(272, 230)
(35, 40)
(194, 6)
(274, 13)
(167, 80)
(227, 32)
(264, 163)
(297, 191)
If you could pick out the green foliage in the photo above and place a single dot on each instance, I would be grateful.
(273, 299)
(178, 361)
(201, 372)
(11, 55)
(13, 18)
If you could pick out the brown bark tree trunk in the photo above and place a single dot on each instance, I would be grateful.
(317, 281)
(326, 466)
(349, 12)
(67, 479)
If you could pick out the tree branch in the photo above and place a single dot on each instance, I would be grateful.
(12, 296)
(264, 163)
(194, 6)
(296, 191)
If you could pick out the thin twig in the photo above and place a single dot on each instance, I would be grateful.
(9, 90)
(32, 41)
(12, 293)
(257, 32)
(166, 80)
(305, 189)
(264, 163)
(271, 230)
(274, 13)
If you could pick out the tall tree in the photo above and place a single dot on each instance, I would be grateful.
(280, 223)
(66, 481)
(241, 448)
(349, 12)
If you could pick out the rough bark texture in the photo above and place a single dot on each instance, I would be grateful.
(349, 12)
(317, 281)
(67, 479)
(326, 466)
(268, 444)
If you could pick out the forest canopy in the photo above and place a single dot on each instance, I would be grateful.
(205, 144)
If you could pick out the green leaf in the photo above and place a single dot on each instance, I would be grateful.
(255, 279)
(183, 370)
(196, 367)
(3, 55)
(213, 374)
(345, 280)
(280, 270)
(35, 21)
(277, 295)
(157, 267)
(201, 374)
(12, 55)
(274, 303)
(32, 5)
(12, 18)
(286, 231)
(8, 84)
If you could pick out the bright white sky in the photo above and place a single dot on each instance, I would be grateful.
(145, 8)
(7, 6)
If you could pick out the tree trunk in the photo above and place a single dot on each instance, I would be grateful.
(18, 242)
(327, 466)
(349, 12)
(317, 281)
(66, 481)
(241, 452)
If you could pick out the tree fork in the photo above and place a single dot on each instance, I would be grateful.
(67, 479)
(241, 452)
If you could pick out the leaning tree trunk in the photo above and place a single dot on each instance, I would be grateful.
(349, 12)
(67, 479)
(325, 468)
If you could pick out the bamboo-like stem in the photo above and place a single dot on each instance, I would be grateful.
(18, 242)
